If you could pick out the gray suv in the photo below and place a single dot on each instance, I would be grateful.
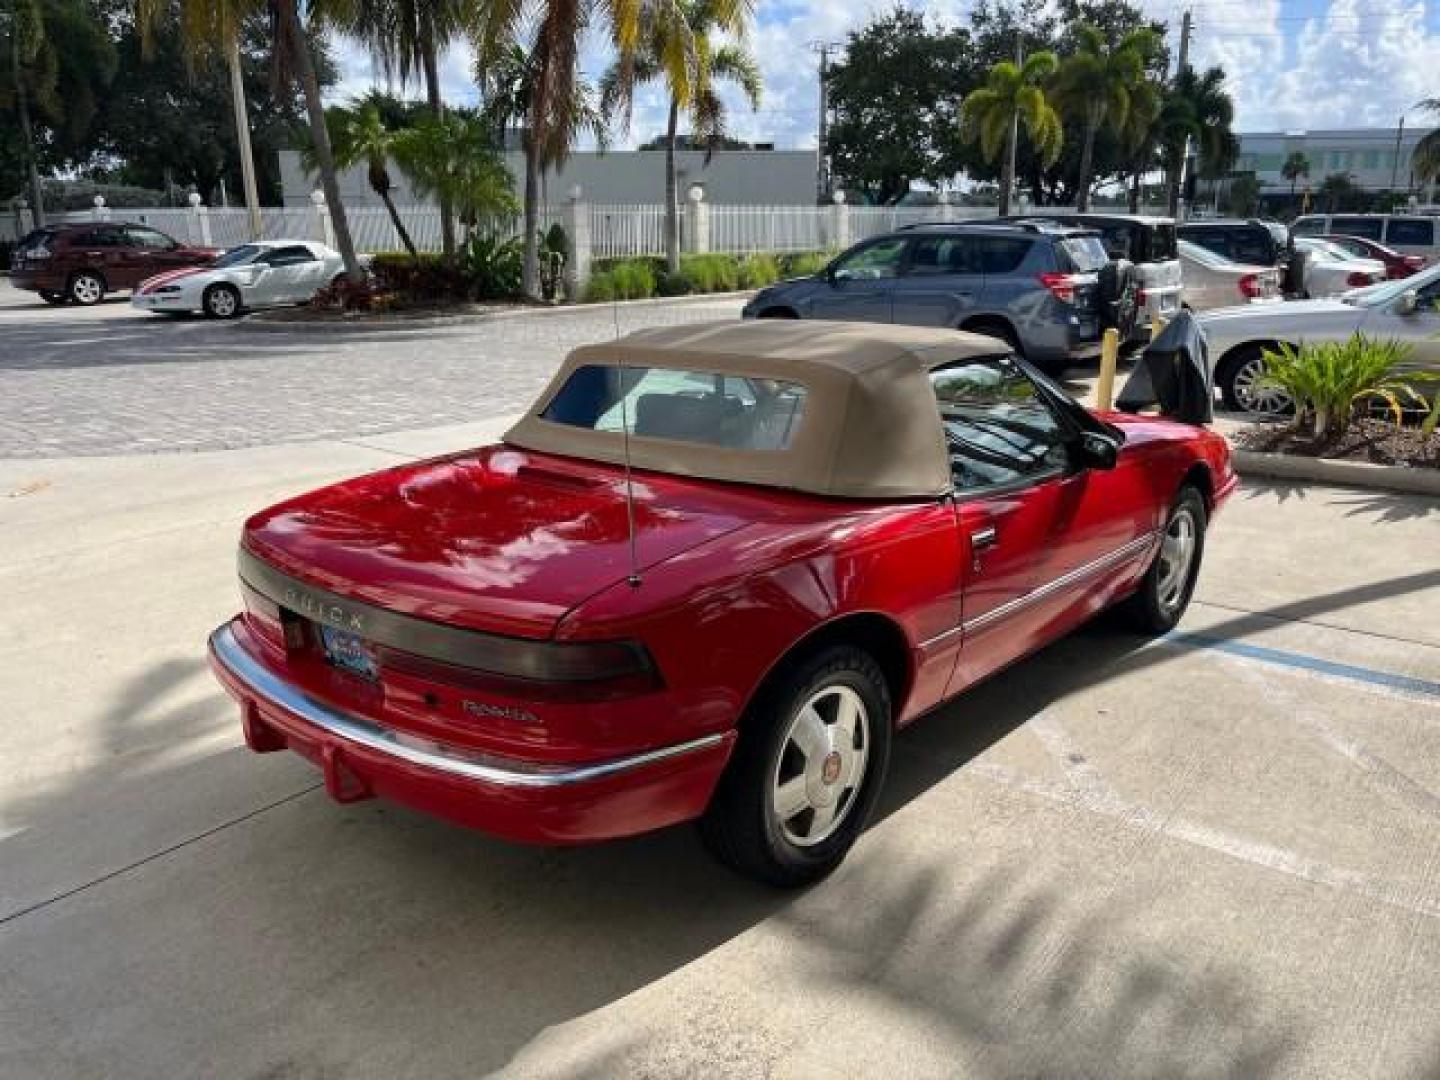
(1035, 285)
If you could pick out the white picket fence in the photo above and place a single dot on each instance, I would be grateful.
(615, 230)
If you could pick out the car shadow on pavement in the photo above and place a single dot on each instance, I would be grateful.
(414, 946)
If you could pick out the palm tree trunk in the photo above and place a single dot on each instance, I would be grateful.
(1135, 174)
(672, 212)
(399, 225)
(27, 133)
(1007, 171)
(1087, 159)
(437, 107)
(291, 27)
(530, 268)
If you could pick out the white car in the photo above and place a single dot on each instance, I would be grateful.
(259, 274)
(1212, 281)
(1406, 310)
(1331, 270)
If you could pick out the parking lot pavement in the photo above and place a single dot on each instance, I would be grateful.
(1213, 855)
(112, 380)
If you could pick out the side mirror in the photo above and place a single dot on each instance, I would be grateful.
(1409, 302)
(1098, 451)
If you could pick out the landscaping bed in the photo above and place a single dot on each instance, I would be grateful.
(1374, 442)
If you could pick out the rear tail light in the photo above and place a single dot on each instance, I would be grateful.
(562, 671)
(1414, 262)
(1360, 279)
(1251, 286)
(1141, 299)
(1061, 286)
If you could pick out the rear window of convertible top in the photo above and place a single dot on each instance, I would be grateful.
(733, 411)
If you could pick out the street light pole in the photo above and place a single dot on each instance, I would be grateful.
(242, 140)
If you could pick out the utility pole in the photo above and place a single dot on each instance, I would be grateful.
(822, 159)
(242, 140)
(1177, 202)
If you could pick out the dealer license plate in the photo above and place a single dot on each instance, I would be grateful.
(349, 652)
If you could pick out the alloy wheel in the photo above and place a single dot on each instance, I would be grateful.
(821, 766)
(1177, 555)
(221, 303)
(87, 289)
(1254, 397)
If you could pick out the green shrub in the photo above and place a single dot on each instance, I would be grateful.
(756, 271)
(711, 273)
(492, 267)
(635, 279)
(1328, 380)
(669, 284)
(601, 287)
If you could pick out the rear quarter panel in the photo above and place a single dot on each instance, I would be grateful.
(720, 617)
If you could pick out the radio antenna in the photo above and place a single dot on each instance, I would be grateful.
(634, 576)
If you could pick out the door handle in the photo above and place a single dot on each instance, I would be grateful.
(980, 540)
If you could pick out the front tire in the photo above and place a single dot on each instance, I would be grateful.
(221, 302)
(1238, 379)
(808, 769)
(1165, 591)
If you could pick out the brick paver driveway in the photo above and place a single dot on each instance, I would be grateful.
(111, 380)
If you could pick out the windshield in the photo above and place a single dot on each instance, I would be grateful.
(237, 256)
(1389, 291)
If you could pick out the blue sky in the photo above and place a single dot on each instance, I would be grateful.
(1292, 64)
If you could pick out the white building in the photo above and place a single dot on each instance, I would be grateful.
(733, 177)
(1368, 156)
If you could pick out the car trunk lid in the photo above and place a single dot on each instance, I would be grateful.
(498, 540)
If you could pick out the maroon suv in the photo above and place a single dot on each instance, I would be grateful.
(84, 261)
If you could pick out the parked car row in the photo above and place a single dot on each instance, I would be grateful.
(82, 263)
(1049, 285)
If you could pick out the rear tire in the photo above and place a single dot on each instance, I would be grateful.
(777, 313)
(86, 288)
(221, 302)
(812, 756)
(1165, 590)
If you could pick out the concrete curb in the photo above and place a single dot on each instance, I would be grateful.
(1356, 474)
(266, 322)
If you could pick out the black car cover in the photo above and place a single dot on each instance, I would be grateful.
(1173, 374)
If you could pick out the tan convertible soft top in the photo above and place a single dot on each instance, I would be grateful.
(870, 427)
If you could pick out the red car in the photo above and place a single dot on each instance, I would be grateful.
(1397, 265)
(83, 261)
(706, 577)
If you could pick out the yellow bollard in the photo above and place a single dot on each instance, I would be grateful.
(1109, 354)
(1157, 324)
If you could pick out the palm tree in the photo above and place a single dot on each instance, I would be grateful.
(690, 88)
(1014, 94)
(1296, 165)
(1336, 189)
(211, 29)
(552, 83)
(29, 50)
(359, 134)
(1425, 158)
(1140, 135)
(1096, 84)
(452, 158)
(1197, 111)
(407, 37)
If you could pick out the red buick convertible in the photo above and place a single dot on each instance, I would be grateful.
(706, 578)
